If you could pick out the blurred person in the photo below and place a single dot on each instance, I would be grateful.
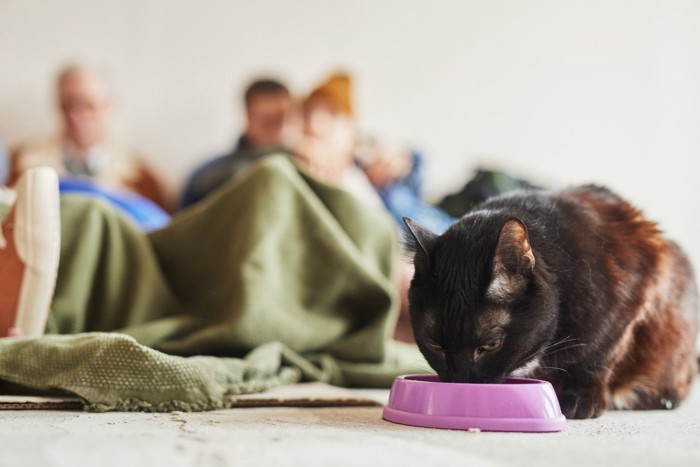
(333, 151)
(272, 125)
(329, 116)
(85, 146)
(327, 149)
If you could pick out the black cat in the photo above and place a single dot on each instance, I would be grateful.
(574, 287)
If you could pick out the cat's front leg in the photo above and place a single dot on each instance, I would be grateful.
(583, 402)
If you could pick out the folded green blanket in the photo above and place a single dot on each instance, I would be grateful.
(274, 279)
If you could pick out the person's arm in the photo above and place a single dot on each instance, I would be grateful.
(387, 168)
(149, 186)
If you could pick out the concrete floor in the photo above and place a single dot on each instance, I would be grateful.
(344, 436)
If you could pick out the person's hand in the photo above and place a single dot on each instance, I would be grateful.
(387, 168)
(321, 160)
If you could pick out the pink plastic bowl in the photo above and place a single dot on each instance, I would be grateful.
(518, 404)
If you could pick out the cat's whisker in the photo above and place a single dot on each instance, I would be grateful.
(552, 348)
(565, 340)
(573, 346)
(555, 368)
(559, 343)
(529, 358)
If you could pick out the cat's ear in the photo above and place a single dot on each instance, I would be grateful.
(419, 242)
(513, 260)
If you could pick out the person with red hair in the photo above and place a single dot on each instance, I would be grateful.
(333, 150)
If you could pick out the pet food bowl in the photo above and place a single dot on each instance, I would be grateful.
(517, 404)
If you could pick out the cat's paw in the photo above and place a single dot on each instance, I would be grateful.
(581, 404)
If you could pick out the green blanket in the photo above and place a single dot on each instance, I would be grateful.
(274, 279)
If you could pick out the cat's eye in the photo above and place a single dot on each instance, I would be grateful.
(491, 345)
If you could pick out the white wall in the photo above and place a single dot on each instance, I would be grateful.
(559, 91)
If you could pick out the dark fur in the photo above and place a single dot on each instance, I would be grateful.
(585, 284)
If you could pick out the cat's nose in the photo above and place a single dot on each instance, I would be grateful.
(459, 369)
(458, 375)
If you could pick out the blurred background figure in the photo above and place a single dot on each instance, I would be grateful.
(327, 149)
(333, 150)
(85, 147)
(272, 125)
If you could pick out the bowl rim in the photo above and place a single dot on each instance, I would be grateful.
(397, 414)
(508, 382)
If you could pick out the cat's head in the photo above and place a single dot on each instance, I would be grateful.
(480, 304)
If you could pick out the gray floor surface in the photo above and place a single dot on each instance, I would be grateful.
(337, 437)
